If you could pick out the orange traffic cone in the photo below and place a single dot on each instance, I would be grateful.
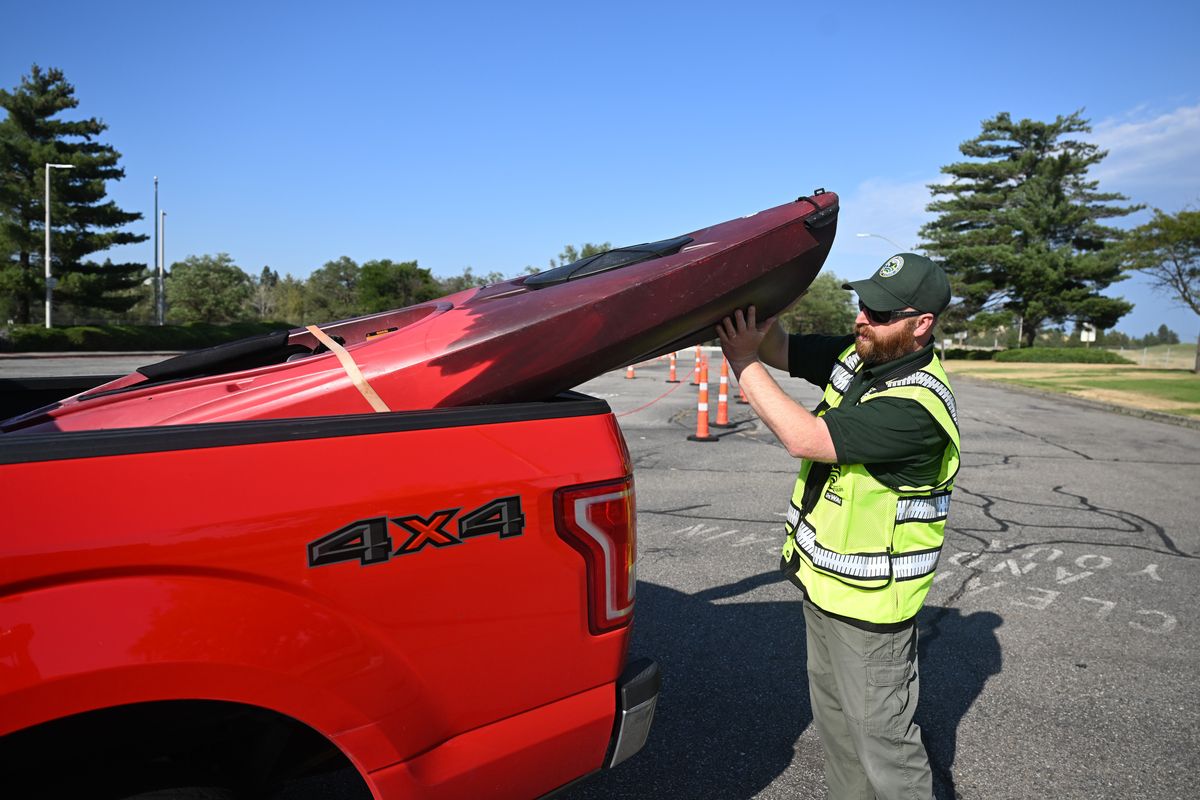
(742, 395)
(671, 377)
(629, 373)
(702, 434)
(696, 368)
(723, 398)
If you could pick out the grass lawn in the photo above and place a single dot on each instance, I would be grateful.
(1173, 391)
(1163, 356)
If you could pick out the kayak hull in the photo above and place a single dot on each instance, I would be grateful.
(510, 342)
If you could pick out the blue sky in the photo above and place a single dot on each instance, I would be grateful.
(490, 135)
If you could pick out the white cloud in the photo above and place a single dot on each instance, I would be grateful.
(890, 210)
(893, 211)
(1152, 157)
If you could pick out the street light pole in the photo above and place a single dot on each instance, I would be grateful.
(877, 236)
(162, 295)
(49, 278)
(157, 265)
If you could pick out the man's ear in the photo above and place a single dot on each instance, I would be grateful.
(924, 326)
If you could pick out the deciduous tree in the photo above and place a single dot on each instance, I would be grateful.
(264, 296)
(385, 284)
(571, 253)
(207, 289)
(331, 292)
(1167, 250)
(469, 280)
(292, 298)
(825, 308)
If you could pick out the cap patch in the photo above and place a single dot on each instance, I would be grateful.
(891, 267)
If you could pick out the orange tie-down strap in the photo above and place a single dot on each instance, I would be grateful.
(352, 370)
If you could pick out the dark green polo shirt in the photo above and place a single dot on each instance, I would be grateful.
(896, 439)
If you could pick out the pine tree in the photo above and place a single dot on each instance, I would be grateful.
(1019, 227)
(83, 221)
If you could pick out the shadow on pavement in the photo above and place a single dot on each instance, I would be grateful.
(957, 654)
(734, 698)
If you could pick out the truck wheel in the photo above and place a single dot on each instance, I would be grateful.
(186, 793)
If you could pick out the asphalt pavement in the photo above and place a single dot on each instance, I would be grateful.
(1057, 646)
(54, 365)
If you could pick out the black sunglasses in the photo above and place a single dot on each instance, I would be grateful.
(886, 317)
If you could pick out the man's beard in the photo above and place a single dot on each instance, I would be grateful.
(875, 347)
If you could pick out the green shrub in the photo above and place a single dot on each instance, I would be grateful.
(193, 336)
(1062, 355)
(964, 354)
(87, 337)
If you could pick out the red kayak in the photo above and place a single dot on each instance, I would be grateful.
(525, 339)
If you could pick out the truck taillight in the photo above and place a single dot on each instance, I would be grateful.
(599, 520)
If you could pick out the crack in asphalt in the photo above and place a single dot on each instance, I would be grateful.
(1007, 459)
(678, 515)
(670, 511)
(1149, 527)
(1039, 438)
(1124, 522)
(1128, 523)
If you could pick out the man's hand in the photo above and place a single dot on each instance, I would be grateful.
(741, 337)
(802, 434)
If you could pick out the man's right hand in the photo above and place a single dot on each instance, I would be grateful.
(741, 338)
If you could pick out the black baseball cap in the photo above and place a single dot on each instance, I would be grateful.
(905, 280)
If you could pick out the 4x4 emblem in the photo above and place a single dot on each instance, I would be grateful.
(369, 541)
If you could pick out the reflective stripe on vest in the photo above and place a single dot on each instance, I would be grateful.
(933, 384)
(915, 565)
(867, 566)
(843, 373)
(926, 509)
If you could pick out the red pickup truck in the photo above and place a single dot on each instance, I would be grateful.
(439, 601)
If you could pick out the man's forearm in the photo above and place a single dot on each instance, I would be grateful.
(774, 348)
(801, 433)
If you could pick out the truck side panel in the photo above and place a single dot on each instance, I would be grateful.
(515, 759)
(235, 572)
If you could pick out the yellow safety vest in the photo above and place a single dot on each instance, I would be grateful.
(859, 549)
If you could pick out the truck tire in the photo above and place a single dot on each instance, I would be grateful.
(186, 793)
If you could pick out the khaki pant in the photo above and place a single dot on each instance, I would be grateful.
(864, 690)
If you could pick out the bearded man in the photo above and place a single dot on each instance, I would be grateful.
(866, 517)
